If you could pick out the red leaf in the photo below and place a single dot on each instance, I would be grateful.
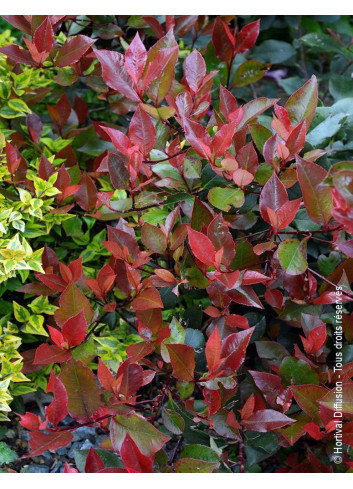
(194, 70)
(237, 321)
(13, 158)
(30, 421)
(139, 351)
(315, 340)
(346, 247)
(20, 22)
(154, 25)
(105, 377)
(142, 131)
(57, 410)
(93, 463)
(129, 379)
(313, 430)
(212, 400)
(247, 410)
(159, 74)
(302, 103)
(287, 213)
(40, 441)
(71, 302)
(182, 358)
(233, 352)
(86, 196)
(74, 330)
(115, 73)
(57, 337)
(202, 247)
(69, 470)
(198, 138)
(147, 299)
(44, 36)
(46, 354)
(34, 126)
(227, 103)
(266, 420)
(223, 137)
(73, 50)
(247, 37)
(273, 195)
(53, 281)
(223, 41)
(269, 385)
(134, 460)
(46, 169)
(296, 140)
(17, 55)
(135, 58)
(60, 113)
(317, 196)
(213, 351)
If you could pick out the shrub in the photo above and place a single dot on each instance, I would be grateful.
(181, 253)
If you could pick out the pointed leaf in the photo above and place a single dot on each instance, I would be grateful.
(134, 460)
(266, 420)
(73, 50)
(182, 358)
(302, 104)
(40, 441)
(292, 256)
(83, 392)
(317, 197)
(115, 73)
(74, 330)
(148, 439)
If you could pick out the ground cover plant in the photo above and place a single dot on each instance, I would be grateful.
(176, 230)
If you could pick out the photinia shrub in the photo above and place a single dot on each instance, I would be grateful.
(188, 250)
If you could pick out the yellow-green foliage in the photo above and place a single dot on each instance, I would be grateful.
(15, 89)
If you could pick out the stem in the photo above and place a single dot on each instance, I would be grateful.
(229, 71)
(69, 428)
(328, 281)
(165, 159)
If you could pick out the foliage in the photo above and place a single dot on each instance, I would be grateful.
(171, 255)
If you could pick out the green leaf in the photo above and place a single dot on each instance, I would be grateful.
(340, 86)
(259, 446)
(292, 256)
(190, 465)
(19, 106)
(21, 313)
(272, 51)
(7, 456)
(327, 264)
(249, 72)
(260, 135)
(298, 371)
(224, 198)
(199, 452)
(173, 421)
(323, 132)
(35, 325)
(322, 42)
